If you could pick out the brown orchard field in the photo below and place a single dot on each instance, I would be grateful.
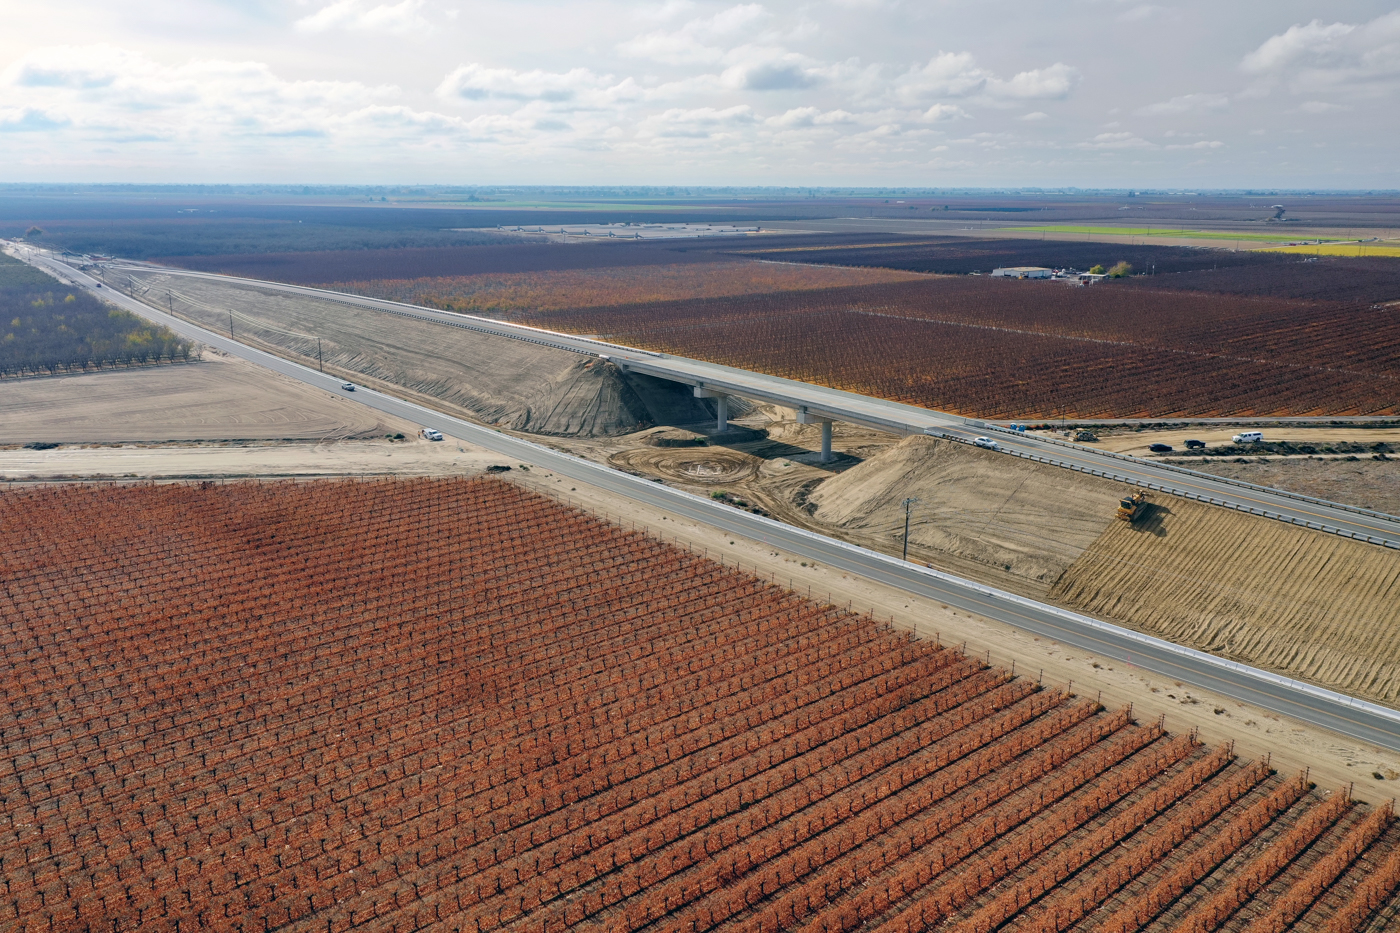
(455, 704)
(310, 268)
(582, 288)
(1008, 349)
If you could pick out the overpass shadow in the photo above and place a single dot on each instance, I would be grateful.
(757, 443)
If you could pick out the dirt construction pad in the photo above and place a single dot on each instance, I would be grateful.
(217, 399)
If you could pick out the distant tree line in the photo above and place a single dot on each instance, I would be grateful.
(46, 326)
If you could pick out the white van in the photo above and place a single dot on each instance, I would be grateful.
(1248, 437)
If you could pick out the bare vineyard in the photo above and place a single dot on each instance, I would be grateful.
(457, 705)
(1038, 350)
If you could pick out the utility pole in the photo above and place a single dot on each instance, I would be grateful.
(908, 504)
(230, 325)
(319, 361)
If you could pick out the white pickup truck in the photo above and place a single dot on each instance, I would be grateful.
(430, 434)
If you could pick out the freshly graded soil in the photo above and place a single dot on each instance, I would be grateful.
(219, 398)
(1303, 603)
(1025, 520)
(1371, 484)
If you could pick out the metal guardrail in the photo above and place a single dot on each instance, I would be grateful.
(1175, 468)
(1185, 494)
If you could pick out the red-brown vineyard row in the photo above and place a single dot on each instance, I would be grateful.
(1035, 349)
(458, 705)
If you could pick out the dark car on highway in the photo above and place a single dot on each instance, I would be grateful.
(1160, 448)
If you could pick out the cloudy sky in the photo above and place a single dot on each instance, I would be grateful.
(826, 92)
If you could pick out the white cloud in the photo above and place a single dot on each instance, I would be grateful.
(1334, 58)
(698, 123)
(810, 116)
(401, 18)
(1034, 115)
(947, 74)
(695, 41)
(1320, 106)
(942, 113)
(579, 86)
(1050, 83)
(1202, 144)
(1123, 140)
(957, 75)
(1186, 103)
(1298, 42)
(29, 120)
(769, 69)
(109, 93)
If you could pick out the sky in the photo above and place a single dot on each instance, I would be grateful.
(1087, 93)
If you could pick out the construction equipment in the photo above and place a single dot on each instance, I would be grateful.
(1132, 506)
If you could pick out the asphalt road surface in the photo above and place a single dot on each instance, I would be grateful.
(833, 404)
(1331, 710)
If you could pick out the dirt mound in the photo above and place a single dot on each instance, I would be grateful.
(675, 439)
(498, 380)
(1028, 518)
(1300, 602)
(704, 466)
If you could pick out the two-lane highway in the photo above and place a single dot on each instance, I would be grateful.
(836, 405)
(1331, 710)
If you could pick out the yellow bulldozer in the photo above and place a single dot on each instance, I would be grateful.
(1132, 506)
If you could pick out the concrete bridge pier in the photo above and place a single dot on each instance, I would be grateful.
(805, 417)
(721, 405)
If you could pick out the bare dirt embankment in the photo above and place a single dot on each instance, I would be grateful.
(409, 457)
(1026, 520)
(1310, 605)
(219, 398)
(493, 379)
(1371, 484)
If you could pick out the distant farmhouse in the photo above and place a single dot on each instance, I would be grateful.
(1023, 272)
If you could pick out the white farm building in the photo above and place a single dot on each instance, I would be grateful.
(1023, 272)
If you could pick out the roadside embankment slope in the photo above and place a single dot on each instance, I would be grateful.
(1300, 602)
(511, 383)
(1016, 517)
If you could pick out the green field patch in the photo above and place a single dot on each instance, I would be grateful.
(1359, 250)
(1154, 231)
